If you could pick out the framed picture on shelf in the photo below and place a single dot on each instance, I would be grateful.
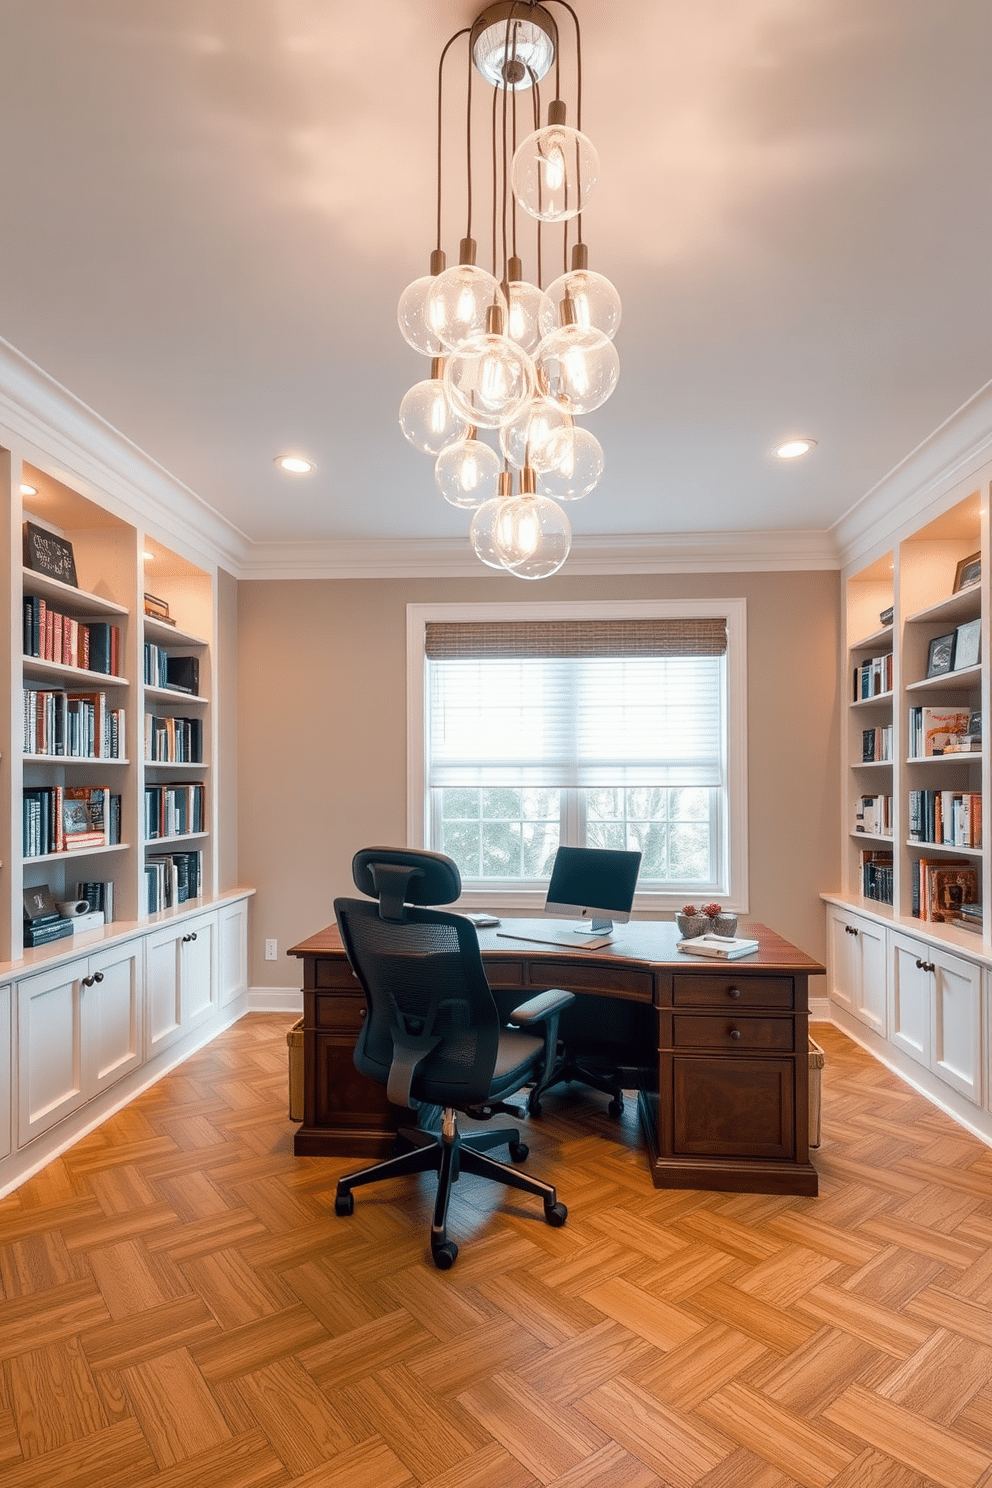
(968, 644)
(969, 571)
(940, 658)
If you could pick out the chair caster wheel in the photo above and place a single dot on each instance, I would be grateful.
(344, 1203)
(518, 1151)
(616, 1106)
(556, 1215)
(444, 1255)
(533, 1108)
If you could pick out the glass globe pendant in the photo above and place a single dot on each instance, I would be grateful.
(583, 298)
(467, 472)
(528, 439)
(576, 368)
(577, 468)
(531, 533)
(481, 534)
(554, 169)
(460, 298)
(489, 380)
(527, 309)
(411, 312)
(427, 419)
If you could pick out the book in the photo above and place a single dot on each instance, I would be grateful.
(183, 674)
(36, 935)
(720, 947)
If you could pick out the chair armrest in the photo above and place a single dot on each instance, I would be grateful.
(541, 1006)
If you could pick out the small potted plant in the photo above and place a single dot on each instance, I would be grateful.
(720, 923)
(692, 921)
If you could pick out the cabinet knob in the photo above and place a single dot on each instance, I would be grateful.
(733, 992)
(191, 936)
(89, 980)
(929, 966)
(920, 965)
(735, 1033)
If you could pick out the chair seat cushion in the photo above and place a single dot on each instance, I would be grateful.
(517, 1057)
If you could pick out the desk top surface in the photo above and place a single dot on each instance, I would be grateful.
(650, 942)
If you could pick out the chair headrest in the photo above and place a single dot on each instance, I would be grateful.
(401, 875)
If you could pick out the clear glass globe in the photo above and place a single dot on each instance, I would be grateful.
(457, 302)
(411, 316)
(481, 534)
(527, 440)
(525, 315)
(553, 171)
(532, 536)
(595, 303)
(489, 380)
(576, 368)
(467, 473)
(428, 419)
(577, 468)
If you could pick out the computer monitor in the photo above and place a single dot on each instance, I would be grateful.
(597, 884)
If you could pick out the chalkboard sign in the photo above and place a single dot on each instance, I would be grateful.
(45, 553)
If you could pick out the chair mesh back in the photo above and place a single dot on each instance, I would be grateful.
(426, 968)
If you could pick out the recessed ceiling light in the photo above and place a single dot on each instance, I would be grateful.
(27, 490)
(791, 449)
(295, 464)
(148, 557)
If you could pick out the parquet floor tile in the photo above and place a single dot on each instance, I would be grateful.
(179, 1306)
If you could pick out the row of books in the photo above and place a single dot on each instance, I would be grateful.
(934, 731)
(873, 677)
(99, 895)
(66, 818)
(171, 879)
(952, 818)
(877, 876)
(93, 645)
(942, 887)
(73, 725)
(173, 810)
(873, 814)
(876, 744)
(174, 740)
(180, 673)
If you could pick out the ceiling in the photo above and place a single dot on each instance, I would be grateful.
(208, 209)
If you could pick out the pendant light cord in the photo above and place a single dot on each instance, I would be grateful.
(440, 75)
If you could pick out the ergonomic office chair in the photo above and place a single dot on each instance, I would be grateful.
(432, 1033)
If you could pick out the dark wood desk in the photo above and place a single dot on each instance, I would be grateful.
(722, 1048)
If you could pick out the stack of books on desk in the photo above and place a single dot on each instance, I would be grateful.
(722, 947)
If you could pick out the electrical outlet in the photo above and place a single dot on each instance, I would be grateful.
(271, 951)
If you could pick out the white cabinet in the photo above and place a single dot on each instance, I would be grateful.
(5, 1068)
(856, 949)
(232, 949)
(935, 1013)
(181, 979)
(78, 1032)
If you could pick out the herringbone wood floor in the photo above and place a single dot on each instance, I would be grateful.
(181, 1307)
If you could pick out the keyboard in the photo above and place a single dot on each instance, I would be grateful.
(570, 939)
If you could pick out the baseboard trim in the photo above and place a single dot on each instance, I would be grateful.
(275, 1000)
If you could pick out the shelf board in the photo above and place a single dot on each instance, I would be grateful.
(81, 679)
(943, 759)
(965, 605)
(77, 852)
(945, 847)
(871, 837)
(164, 844)
(79, 602)
(871, 764)
(172, 695)
(947, 681)
(183, 765)
(160, 631)
(880, 697)
(72, 759)
(869, 642)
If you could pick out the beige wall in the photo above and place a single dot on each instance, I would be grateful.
(322, 736)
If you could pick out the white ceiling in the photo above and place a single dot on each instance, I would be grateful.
(208, 209)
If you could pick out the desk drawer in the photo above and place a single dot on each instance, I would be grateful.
(342, 1014)
(333, 974)
(724, 989)
(773, 1035)
(620, 982)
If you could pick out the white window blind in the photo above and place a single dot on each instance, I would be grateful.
(577, 704)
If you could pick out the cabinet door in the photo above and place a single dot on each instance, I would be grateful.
(957, 1028)
(232, 951)
(49, 1048)
(843, 959)
(111, 1016)
(911, 998)
(6, 1056)
(198, 968)
(871, 984)
(163, 990)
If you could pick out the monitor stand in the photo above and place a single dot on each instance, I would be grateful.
(595, 927)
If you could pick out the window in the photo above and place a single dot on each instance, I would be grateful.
(598, 725)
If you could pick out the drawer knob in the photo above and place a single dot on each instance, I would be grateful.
(735, 1033)
(89, 980)
(929, 966)
(733, 991)
(187, 938)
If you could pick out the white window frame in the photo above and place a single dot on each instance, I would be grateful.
(734, 897)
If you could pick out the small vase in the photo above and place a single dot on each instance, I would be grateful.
(692, 925)
(725, 924)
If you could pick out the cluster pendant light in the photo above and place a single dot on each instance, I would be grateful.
(510, 360)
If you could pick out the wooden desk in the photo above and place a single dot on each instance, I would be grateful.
(722, 1047)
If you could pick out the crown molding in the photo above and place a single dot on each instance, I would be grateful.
(643, 553)
(67, 438)
(902, 498)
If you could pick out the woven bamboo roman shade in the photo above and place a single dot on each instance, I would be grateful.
(477, 641)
